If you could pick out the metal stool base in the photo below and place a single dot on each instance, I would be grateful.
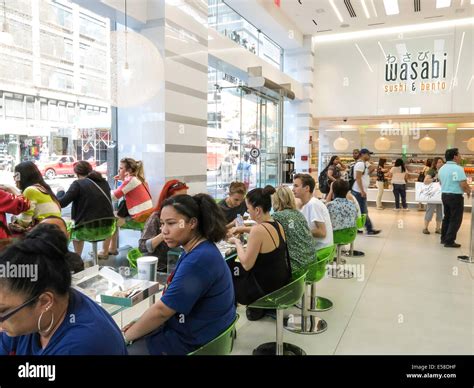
(269, 349)
(466, 259)
(313, 325)
(322, 304)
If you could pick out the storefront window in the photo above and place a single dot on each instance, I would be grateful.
(244, 131)
(228, 22)
(45, 112)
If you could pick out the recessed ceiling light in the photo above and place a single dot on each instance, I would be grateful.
(345, 25)
(391, 7)
(336, 11)
(443, 3)
(366, 11)
(320, 10)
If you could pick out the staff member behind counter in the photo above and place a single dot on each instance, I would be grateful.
(41, 314)
(234, 204)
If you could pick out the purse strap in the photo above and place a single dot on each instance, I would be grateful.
(102, 191)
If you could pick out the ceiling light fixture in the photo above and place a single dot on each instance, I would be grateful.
(366, 10)
(365, 59)
(375, 9)
(336, 11)
(391, 7)
(394, 30)
(5, 36)
(443, 3)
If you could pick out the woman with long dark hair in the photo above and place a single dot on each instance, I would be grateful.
(43, 202)
(334, 169)
(91, 201)
(41, 314)
(198, 303)
(399, 177)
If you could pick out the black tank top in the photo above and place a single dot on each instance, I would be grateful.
(271, 269)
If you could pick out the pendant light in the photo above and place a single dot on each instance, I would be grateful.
(341, 143)
(427, 144)
(382, 144)
(470, 144)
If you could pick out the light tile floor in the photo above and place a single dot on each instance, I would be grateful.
(415, 297)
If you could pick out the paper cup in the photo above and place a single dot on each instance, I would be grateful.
(146, 266)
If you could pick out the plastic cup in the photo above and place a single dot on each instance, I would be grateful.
(146, 267)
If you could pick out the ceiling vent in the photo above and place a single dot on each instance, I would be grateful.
(350, 9)
(417, 5)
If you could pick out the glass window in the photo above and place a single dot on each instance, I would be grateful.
(30, 108)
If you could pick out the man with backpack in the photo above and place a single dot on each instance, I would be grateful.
(361, 173)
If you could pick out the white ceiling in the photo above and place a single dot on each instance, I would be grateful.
(309, 12)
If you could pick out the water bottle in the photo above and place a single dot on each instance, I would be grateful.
(240, 220)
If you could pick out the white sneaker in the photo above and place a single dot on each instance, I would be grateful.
(396, 210)
(406, 210)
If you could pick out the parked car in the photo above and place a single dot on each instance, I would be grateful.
(59, 165)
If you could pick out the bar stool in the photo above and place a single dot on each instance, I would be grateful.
(360, 223)
(342, 237)
(306, 323)
(93, 232)
(280, 300)
(319, 303)
(222, 345)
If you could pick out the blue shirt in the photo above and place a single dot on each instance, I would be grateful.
(202, 294)
(87, 329)
(450, 175)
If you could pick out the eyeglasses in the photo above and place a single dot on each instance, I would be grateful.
(8, 314)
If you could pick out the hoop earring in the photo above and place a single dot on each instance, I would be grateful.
(50, 325)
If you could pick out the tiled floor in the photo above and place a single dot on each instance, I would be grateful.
(415, 297)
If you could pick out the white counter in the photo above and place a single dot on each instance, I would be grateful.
(389, 198)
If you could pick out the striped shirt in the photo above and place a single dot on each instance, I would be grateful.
(42, 205)
(137, 197)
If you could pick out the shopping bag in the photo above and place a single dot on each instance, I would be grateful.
(430, 193)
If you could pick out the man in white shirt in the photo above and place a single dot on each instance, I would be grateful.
(316, 213)
(362, 170)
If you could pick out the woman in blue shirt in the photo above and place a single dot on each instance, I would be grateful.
(199, 302)
(39, 312)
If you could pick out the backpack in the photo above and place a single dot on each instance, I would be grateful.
(323, 182)
(351, 176)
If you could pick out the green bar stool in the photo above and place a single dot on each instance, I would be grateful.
(133, 225)
(342, 237)
(93, 232)
(360, 223)
(222, 345)
(280, 300)
(132, 256)
(316, 304)
(306, 323)
(324, 257)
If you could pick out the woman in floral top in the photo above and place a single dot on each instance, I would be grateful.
(342, 211)
(301, 245)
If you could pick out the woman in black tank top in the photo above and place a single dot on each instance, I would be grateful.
(256, 273)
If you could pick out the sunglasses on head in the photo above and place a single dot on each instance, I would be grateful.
(9, 313)
(178, 185)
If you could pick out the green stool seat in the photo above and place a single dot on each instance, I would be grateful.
(280, 300)
(93, 232)
(307, 323)
(132, 256)
(342, 237)
(360, 223)
(221, 345)
(133, 225)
